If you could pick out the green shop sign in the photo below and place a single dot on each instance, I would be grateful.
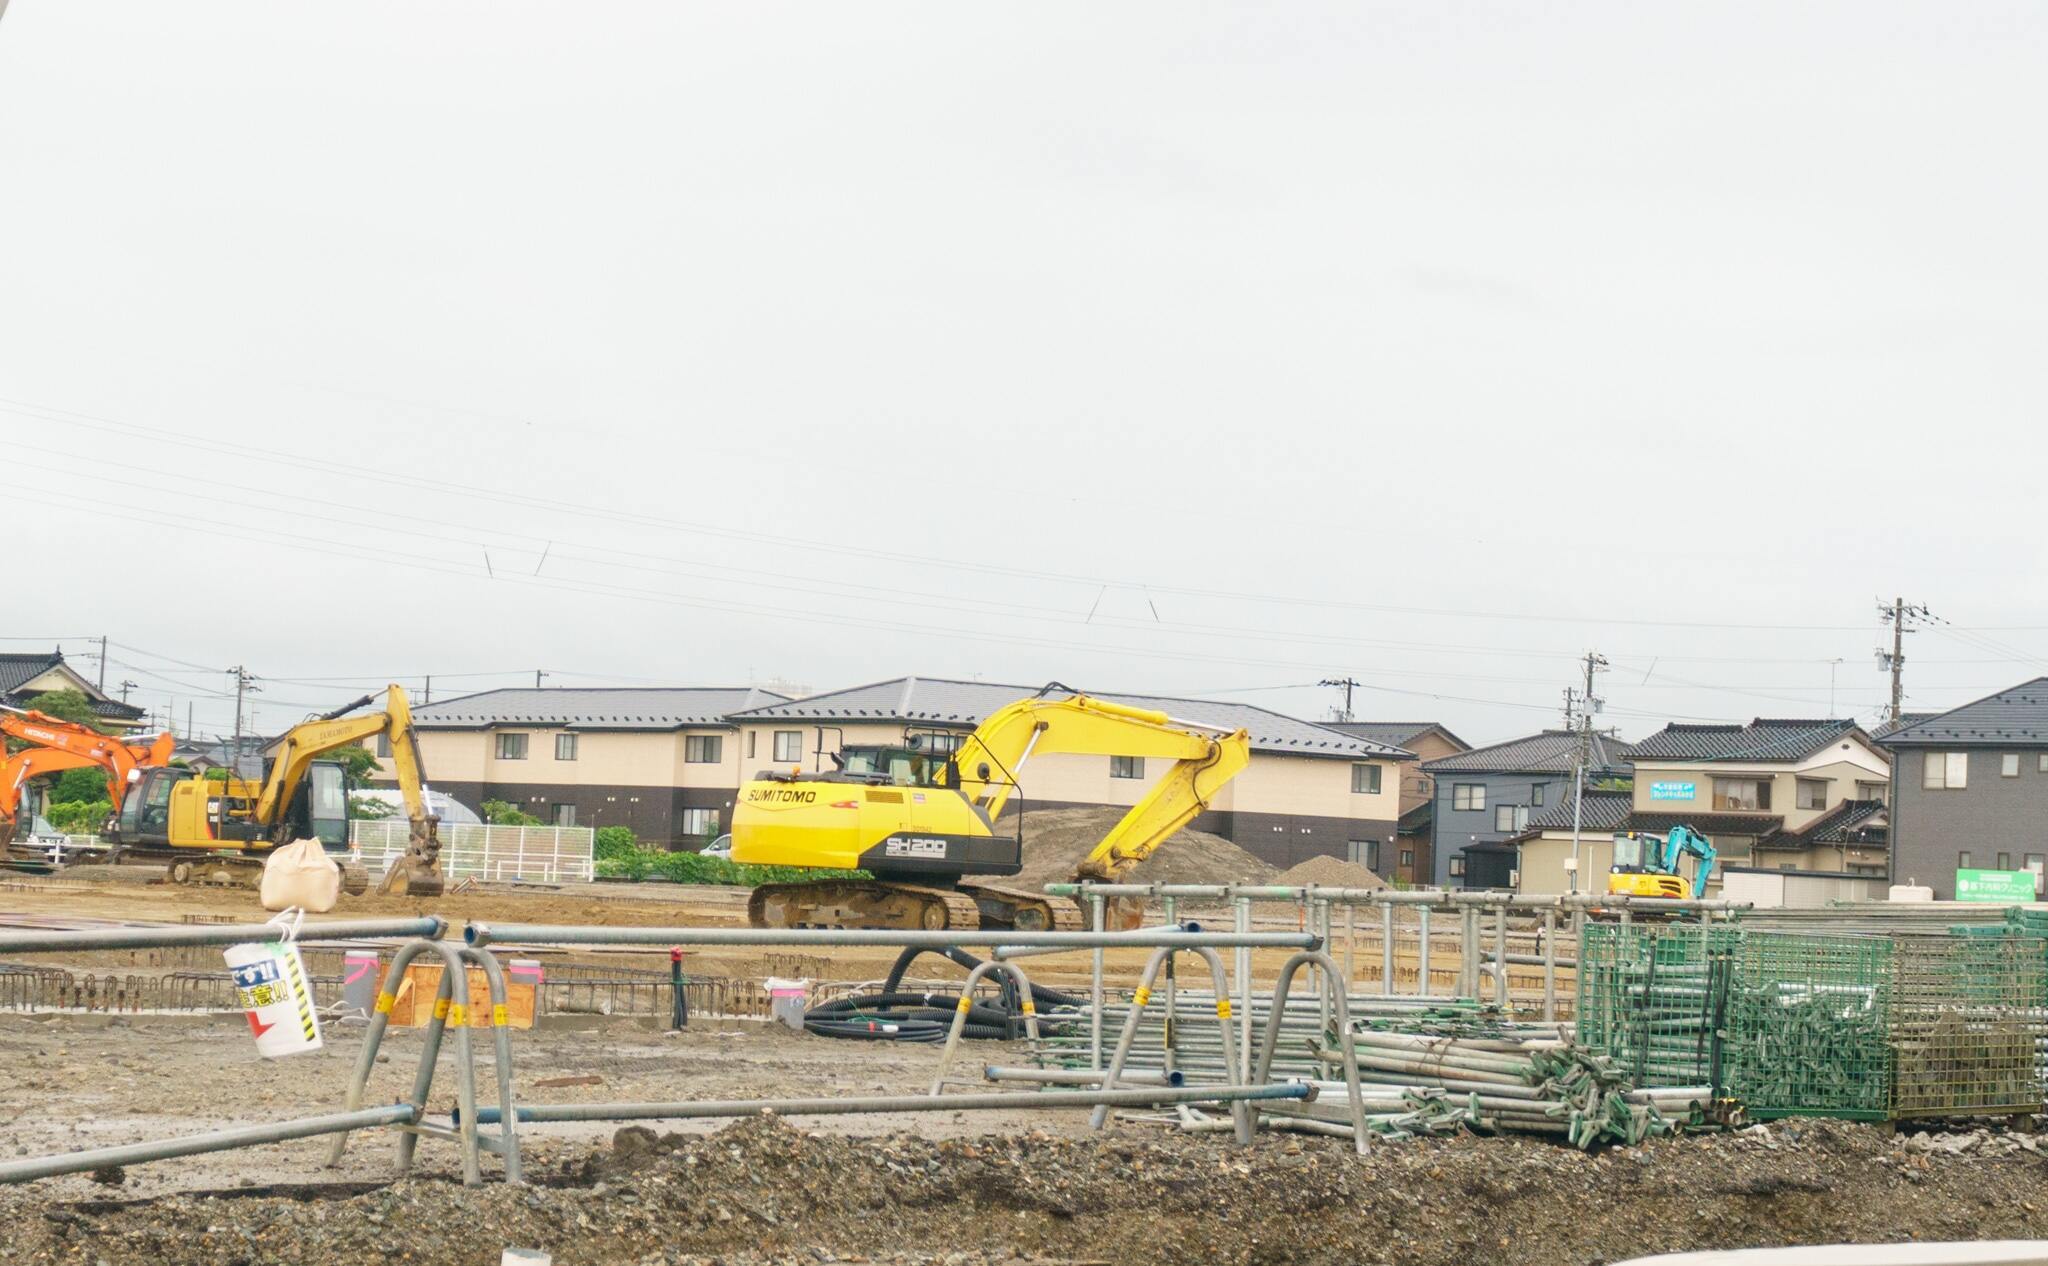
(2008, 886)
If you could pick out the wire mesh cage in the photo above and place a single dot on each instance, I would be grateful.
(1804, 1031)
(1649, 997)
(1966, 1018)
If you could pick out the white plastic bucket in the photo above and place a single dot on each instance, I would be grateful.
(788, 1000)
(271, 985)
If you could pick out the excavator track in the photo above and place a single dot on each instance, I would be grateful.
(1025, 910)
(857, 903)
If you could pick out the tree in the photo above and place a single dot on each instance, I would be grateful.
(367, 809)
(357, 761)
(504, 813)
(78, 784)
(68, 705)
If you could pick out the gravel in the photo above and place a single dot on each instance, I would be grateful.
(1055, 841)
(763, 1190)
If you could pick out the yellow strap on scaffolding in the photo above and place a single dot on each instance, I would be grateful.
(1143, 996)
(965, 1003)
(1029, 1008)
(1223, 1008)
(440, 1008)
(385, 1001)
(458, 1015)
(500, 1017)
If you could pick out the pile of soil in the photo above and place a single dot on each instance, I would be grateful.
(1055, 841)
(763, 1191)
(1330, 872)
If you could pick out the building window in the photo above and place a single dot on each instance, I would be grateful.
(1812, 793)
(1365, 780)
(703, 749)
(1870, 791)
(2005, 861)
(2038, 863)
(511, 747)
(1407, 857)
(700, 822)
(1468, 795)
(1536, 795)
(1126, 767)
(1366, 853)
(1457, 867)
(2009, 765)
(1945, 771)
(2041, 763)
(1510, 817)
(565, 815)
(751, 736)
(383, 745)
(789, 746)
(565, 747)
(1963, 860)
(1742, 795)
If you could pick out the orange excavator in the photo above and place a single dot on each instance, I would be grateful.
(55, 745)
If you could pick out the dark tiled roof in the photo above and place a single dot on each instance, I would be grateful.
(1603, 811)
(1763, 739)
(599, 708)
(1551, 752)
(2018, 716)
(1392, 733)
(942, 702)
(17, 667)
(1416, 819)
(1850, 822)
(1906, 719)
(1754, 824)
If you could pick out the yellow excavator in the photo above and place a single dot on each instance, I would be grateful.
(923, 821)
(212, 831)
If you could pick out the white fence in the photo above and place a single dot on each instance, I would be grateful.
(534, 854)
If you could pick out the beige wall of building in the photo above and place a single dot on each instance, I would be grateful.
(1846, 769)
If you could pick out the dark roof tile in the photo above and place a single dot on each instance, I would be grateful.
(1550, 752)
(1764, 739)
(2015, 717)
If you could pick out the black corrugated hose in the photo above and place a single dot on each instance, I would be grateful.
(891, 1015)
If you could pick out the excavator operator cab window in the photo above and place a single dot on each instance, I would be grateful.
(1628, 852)
(147, 812)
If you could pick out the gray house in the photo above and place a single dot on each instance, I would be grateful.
(1486, 797)
(1970, 790)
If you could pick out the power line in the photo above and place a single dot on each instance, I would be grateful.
(387, 477)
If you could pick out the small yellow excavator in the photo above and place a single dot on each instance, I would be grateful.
(212, 831)
(922, 820)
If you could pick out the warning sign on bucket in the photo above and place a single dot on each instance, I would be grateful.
(271, 985)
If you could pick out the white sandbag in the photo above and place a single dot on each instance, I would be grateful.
(301, 874)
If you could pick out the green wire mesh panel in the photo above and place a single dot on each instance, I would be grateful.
(1805, 1026)
(1648, 996)
(1967, 1016)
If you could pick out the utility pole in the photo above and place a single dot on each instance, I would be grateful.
(1897, 613)
(103, 667)
(427, 690)
(1594, 663)
(127, 686)
(1347, 685)
(188, 720)
(537, 675)
(243, 685)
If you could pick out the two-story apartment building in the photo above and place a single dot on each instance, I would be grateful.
(1308, 791)
(663, 762)
(1412, 860)
(1485, 798)
(1971, 790)
(1804, 795)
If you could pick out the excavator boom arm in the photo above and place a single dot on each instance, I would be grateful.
(1204, 759)
(305, 743)
(56, 744)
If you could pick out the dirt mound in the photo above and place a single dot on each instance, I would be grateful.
(1330, 872)
(1055, 841)
(760, 1191)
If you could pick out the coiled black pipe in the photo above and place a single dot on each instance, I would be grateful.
(891, 1015)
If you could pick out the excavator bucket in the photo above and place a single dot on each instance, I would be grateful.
(417, 872)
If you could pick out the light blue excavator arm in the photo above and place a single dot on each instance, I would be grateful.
(1683, 840)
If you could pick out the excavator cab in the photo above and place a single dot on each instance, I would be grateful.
(891, 766)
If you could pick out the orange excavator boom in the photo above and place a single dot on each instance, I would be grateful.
(55, 744)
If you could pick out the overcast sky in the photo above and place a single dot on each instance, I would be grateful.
(1206, 349)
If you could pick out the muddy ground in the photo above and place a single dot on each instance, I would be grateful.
(765, 1190)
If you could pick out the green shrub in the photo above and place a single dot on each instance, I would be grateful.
(616, 841)
(505, 813)
(694, 868)
(78, 817)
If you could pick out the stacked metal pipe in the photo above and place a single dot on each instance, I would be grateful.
(1514, 1078)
